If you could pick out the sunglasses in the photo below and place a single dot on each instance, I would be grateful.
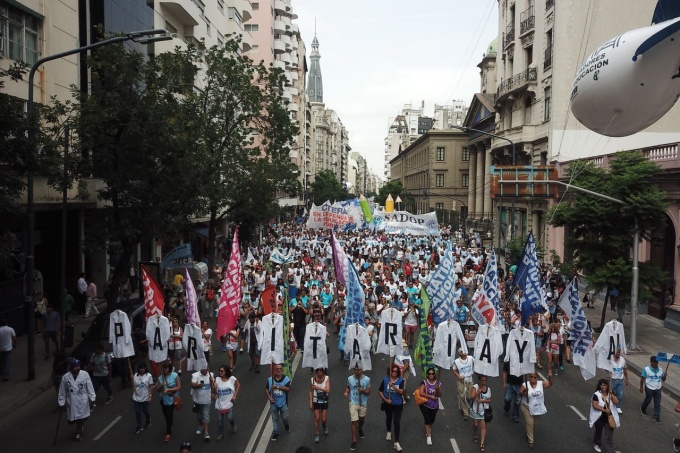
(430, 374)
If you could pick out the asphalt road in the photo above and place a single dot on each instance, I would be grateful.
(563, 429)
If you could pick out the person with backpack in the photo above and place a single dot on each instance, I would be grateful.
(101, 370)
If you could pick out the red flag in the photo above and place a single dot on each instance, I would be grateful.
(154, 301)
(268, 300)
(230, 299)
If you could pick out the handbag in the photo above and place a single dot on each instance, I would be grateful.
(418, 397)
(488, 414)
(177, 402)
(383, 406)
(610, 417)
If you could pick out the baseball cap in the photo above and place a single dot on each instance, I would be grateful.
(74, 363)
(185, 446)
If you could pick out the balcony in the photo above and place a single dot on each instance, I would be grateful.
(247, 11)
(293, 107)
(286, 40)
(294, 91)
(549, 4)
(279, 47)
(285, 57)
(294, 29)
(183, 10)
(281, 7)
(293, 153)
(246, 41)
(509, 37)
(547, 59)
(517, 82)
(527, 20)
(279, 64)
(279, 27)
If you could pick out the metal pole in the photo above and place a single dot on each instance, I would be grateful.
(62, 271)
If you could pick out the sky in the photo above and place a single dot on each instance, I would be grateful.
(378, 55)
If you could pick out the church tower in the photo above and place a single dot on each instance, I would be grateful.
(314, 82)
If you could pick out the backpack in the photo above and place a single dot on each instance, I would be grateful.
(210, 295)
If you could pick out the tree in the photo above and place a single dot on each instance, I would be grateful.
(326, 187)
(396, 189)
(600, 232)
(240, 133)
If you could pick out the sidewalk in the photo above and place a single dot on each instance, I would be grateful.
(652, 338)
(18, 390)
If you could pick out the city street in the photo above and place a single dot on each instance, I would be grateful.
(562, 429)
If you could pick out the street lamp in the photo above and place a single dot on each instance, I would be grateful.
(512, 145)
(142, 37)
(636, 240)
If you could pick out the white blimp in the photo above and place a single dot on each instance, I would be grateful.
(632, 80)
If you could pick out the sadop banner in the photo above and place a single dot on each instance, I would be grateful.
(402, 222)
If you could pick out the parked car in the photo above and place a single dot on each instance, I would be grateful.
(98, 332)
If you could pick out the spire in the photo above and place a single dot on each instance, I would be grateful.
(314, 81)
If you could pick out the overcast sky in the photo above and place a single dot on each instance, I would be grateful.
(377, 55)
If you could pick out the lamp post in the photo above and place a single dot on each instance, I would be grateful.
(143, 37)
(512, 145)
(636, 240)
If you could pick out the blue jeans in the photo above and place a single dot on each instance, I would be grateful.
(141, 406)
(276, 411)
(617, 388)
(656, 395)
(512, 397)
(221, 417)
(5, 362)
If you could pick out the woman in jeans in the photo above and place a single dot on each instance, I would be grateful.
(225, 390)
(431, 389)
(603, 401)
(169, 385)
(392, 393)
(142, 383)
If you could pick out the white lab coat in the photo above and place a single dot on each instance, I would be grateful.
(74, 393)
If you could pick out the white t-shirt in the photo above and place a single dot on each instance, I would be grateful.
(206, 341)
(618, 367)
(201, 395)
(225, 392)
(142, 384)
(6, 335)
(464, 367)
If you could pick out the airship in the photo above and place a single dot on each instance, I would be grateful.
(629, 82)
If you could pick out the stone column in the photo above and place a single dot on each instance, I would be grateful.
(472, 182)
(487, 182)
(481, 169)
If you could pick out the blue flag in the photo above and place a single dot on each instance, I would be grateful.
(528, 279)
(440, 289)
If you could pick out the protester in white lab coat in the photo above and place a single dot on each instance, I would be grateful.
(76, 393)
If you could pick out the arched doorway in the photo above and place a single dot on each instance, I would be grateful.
(662, 255)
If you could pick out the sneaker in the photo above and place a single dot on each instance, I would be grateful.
(428, 440)
(240, 351)
(109, 400)
(287, 428)
(516, 420)
(388, 436)
(77, 437)
(657, 420)
(561, 368)
(167, 438)
(206, 437)
(397, 447)
(597, 448)
(355, 445)
(139, 430)
(220, 436)
(148, 423)
(643, 411)
(361, 433)
(234, 428)
(325, 430)
(316, 439)
(274, 437)
(199, 430)
(618, 409)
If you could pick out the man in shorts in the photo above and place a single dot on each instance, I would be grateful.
(357, 390)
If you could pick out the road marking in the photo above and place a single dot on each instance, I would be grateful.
(454, 445)
(542, 377)
(260, 436)
(578, 413)
(99, 436)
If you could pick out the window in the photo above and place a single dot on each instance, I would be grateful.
(208, 27)
(441, 153)
(254, 49)
(252, 27)
(466, 154)
(439, 206)
(547, 104)
(235, 15)
(256, 6)
(465, 180)
(439, 180)
(19, 32)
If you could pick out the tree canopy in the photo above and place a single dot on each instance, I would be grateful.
(326, 187)
(396, 189)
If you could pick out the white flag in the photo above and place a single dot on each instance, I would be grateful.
(358, 346)
(272, 339)
(315, 355)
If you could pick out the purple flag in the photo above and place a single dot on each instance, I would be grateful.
(192, 301)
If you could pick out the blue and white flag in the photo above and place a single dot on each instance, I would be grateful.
(581, 335)
(346, 274)
(486, 307)
(279, 258)
(440, 288)
(528, 279)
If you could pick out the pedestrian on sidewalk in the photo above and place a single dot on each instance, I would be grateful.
(225, 388)
(201, 393)
(168, 385)
(602, 405)
(81, 300)
(8, 341)
(76, 394)
(276, 389)
(619, 376)
(91, 295)
(141, 396)
(68, 305)
(101, 369)
(51, 329)
(652, 379)
(357, 390)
